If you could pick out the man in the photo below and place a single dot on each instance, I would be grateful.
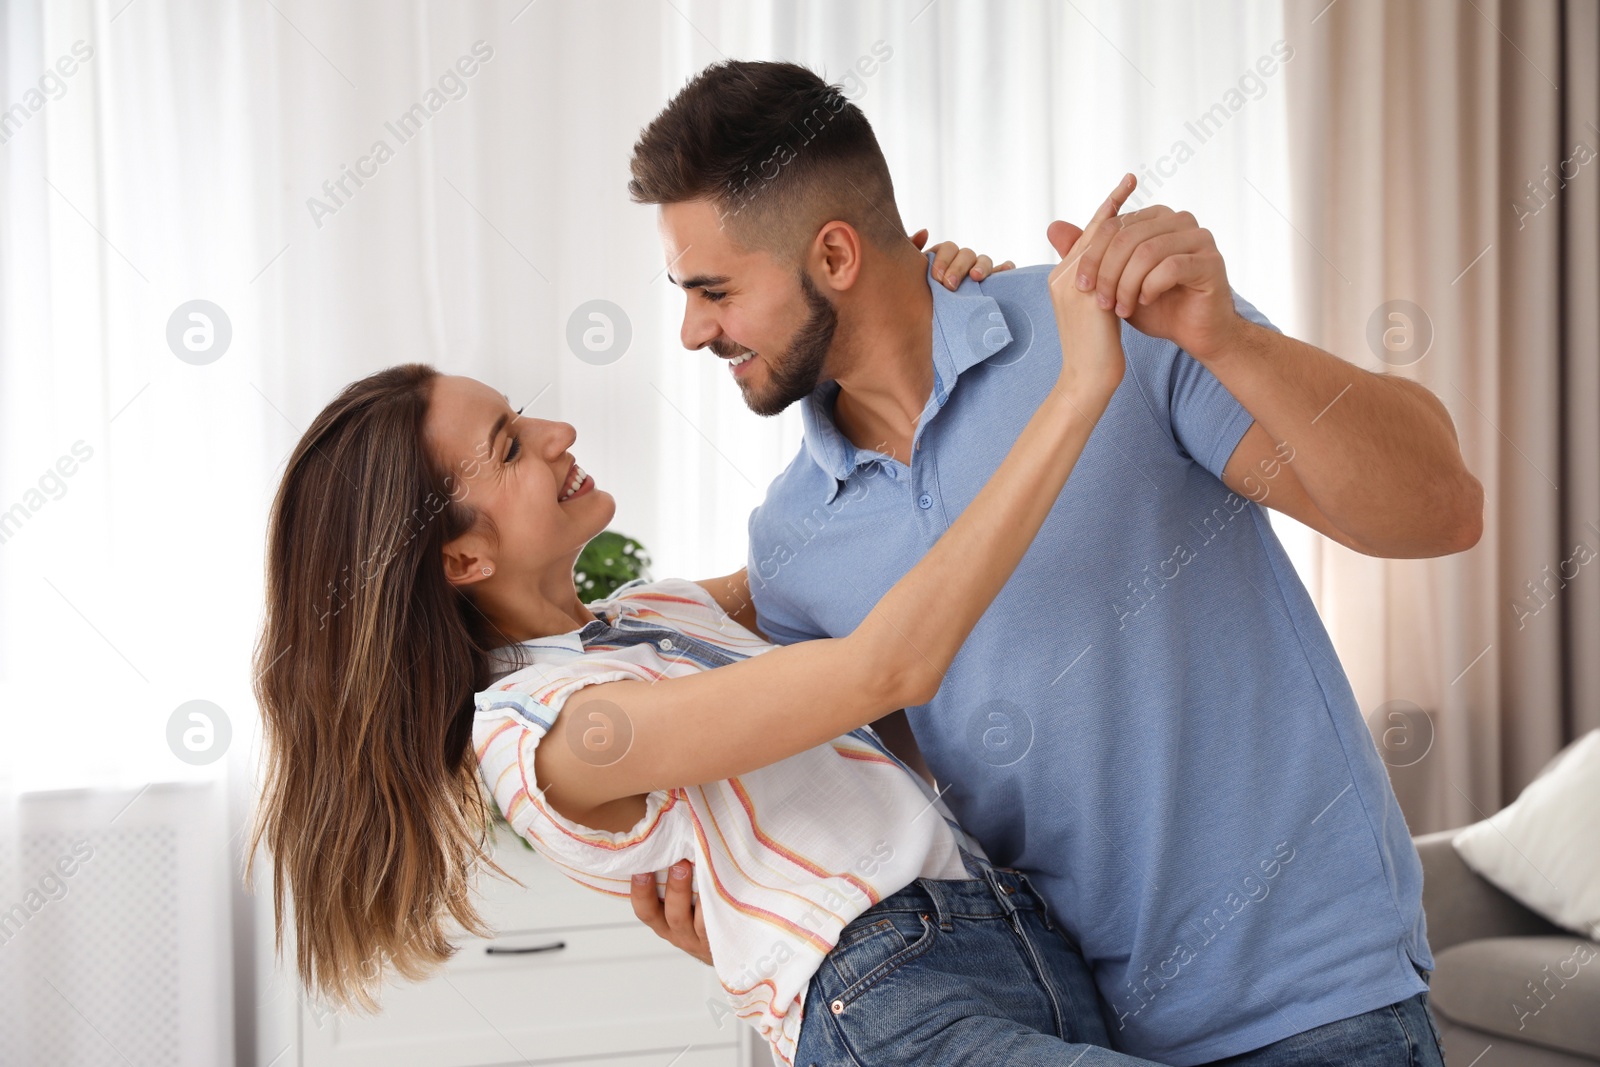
(1150, 721)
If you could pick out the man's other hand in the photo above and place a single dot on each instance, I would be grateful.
(676, 919)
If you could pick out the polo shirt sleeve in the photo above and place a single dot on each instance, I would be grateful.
(779, 613)
(521, 712)
(1203, 419)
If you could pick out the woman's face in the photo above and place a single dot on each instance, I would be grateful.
(519, 472)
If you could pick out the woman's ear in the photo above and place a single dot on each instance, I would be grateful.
(465, 561)
(836, 255)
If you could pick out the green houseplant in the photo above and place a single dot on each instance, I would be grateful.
(608, 562)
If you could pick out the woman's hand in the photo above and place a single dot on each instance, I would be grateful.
(1092, 363)
(951, 264)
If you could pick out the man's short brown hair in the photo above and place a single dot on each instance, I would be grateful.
(775, 149)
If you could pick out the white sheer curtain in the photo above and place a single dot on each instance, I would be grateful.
(182, 161)
(131, 485)
(205, 152)
(131, 478)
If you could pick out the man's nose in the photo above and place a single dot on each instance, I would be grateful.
(699, 329)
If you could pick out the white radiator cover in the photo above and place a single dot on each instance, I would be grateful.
(114, 943)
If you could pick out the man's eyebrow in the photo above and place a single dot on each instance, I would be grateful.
(699, 281)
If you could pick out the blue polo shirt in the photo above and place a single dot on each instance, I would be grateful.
(1150, 720)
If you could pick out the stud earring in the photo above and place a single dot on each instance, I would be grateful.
(487, 571)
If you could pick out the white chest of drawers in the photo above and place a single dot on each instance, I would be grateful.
(597, 988)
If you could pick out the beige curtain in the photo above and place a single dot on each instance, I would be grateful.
(1447, 155)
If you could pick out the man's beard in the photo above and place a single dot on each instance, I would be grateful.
(795, 374)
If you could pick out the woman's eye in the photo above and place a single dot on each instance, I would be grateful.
(712, 296)
(514, 450)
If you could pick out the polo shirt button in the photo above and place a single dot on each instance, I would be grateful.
(924, 501)
(665, 643)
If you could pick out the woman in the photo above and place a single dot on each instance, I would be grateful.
(843, 920)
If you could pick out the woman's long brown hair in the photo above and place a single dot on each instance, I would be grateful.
(365, 673)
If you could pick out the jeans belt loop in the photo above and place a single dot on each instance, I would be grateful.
(941, 906)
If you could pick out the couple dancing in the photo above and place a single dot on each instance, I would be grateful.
(1163, 827)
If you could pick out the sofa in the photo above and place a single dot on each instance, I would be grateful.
(1503, 991)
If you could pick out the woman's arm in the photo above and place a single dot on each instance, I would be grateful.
(728, 721)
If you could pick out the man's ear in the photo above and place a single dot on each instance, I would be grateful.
(835, 255)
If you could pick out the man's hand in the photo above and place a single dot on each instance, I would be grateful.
(676, 919)
(1382, 473)
(1159, 270)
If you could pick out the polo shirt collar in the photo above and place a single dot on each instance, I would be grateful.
(968, 328)
(827, 447)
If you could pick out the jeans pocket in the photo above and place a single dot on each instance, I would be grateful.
(1427, 1048)
(866, 960)
(1433, 1027)
(861, 929)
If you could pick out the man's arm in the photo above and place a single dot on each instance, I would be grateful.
(894, 730)
(732, 594)
(1373, 461)
(1376, 465)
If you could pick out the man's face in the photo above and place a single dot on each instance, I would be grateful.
(764, 317)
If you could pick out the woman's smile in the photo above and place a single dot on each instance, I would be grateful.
(578, 484)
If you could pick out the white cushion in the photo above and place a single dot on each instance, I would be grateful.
(1544, 848)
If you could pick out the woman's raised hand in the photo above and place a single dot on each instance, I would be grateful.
(953, 264)
(1091, 338)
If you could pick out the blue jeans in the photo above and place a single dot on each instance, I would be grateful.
(1400, 1035)
(963, 971)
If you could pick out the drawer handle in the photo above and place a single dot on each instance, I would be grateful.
(500, 950)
